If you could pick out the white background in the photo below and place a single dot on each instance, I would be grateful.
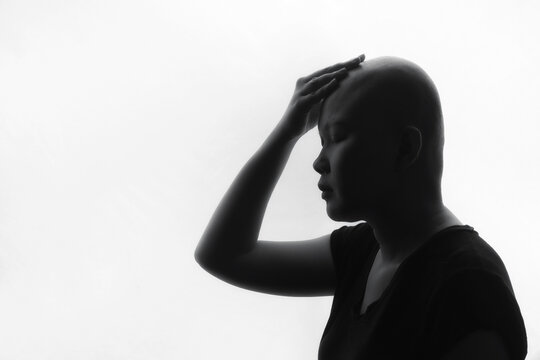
(122, 123)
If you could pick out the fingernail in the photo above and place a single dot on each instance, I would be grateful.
(362, 57)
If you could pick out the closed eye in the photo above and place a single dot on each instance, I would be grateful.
(337, 134)
(334, 139)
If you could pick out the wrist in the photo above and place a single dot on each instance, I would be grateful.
(282, 133)
(282, 138)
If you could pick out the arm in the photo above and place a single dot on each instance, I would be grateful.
(229, 247)
(479, 345)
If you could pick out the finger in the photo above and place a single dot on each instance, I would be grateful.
(351, 64)
(346, 65)
(315, 112)
(322, 80)
(322, 92)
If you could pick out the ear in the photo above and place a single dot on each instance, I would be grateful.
(410, 146)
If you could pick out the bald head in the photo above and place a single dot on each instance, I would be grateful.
(393, 96)
(391, 91)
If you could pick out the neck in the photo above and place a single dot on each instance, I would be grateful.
(402, 229)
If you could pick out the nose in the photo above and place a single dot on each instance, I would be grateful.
(321, 163)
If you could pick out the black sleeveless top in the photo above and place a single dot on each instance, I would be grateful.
(452, 285)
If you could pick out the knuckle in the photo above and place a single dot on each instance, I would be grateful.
(319, 93)
(313, 82)
(327, 77)
(305, 101)
(302, 100)
(295, 103)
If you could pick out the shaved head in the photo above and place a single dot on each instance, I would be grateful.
(386, 95)
(381, 156)
(382, 139)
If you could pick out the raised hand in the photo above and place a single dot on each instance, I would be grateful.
(302, 113)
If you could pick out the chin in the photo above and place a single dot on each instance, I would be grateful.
(340, 214)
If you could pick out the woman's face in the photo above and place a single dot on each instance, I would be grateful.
(356, 161)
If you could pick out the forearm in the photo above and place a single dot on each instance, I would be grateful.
(235, 225)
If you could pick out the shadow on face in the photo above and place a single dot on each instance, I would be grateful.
(381, 134)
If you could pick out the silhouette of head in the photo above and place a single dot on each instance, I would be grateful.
(382, 140)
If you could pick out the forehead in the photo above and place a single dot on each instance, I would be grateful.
(331, 121)
(358, 100)
(341, 108)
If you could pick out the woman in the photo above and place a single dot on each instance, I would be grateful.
(410, 281)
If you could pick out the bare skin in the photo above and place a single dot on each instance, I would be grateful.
(230, 248)
(384, 172)
(402, 214)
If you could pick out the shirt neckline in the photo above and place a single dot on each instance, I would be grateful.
(426, 243)
(371, 260)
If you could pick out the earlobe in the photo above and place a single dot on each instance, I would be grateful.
(409, 147)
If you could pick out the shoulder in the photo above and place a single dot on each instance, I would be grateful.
(473, 292)
(349, 238)
(351, 245)
(474, 299)
(464, 251)
(350, 230)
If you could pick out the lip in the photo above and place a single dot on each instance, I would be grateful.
(324, 187)
(326, 194)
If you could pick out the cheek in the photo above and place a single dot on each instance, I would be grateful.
(348, 170)
(361, 173)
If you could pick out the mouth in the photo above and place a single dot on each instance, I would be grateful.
(324, 188)
(326, 194)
